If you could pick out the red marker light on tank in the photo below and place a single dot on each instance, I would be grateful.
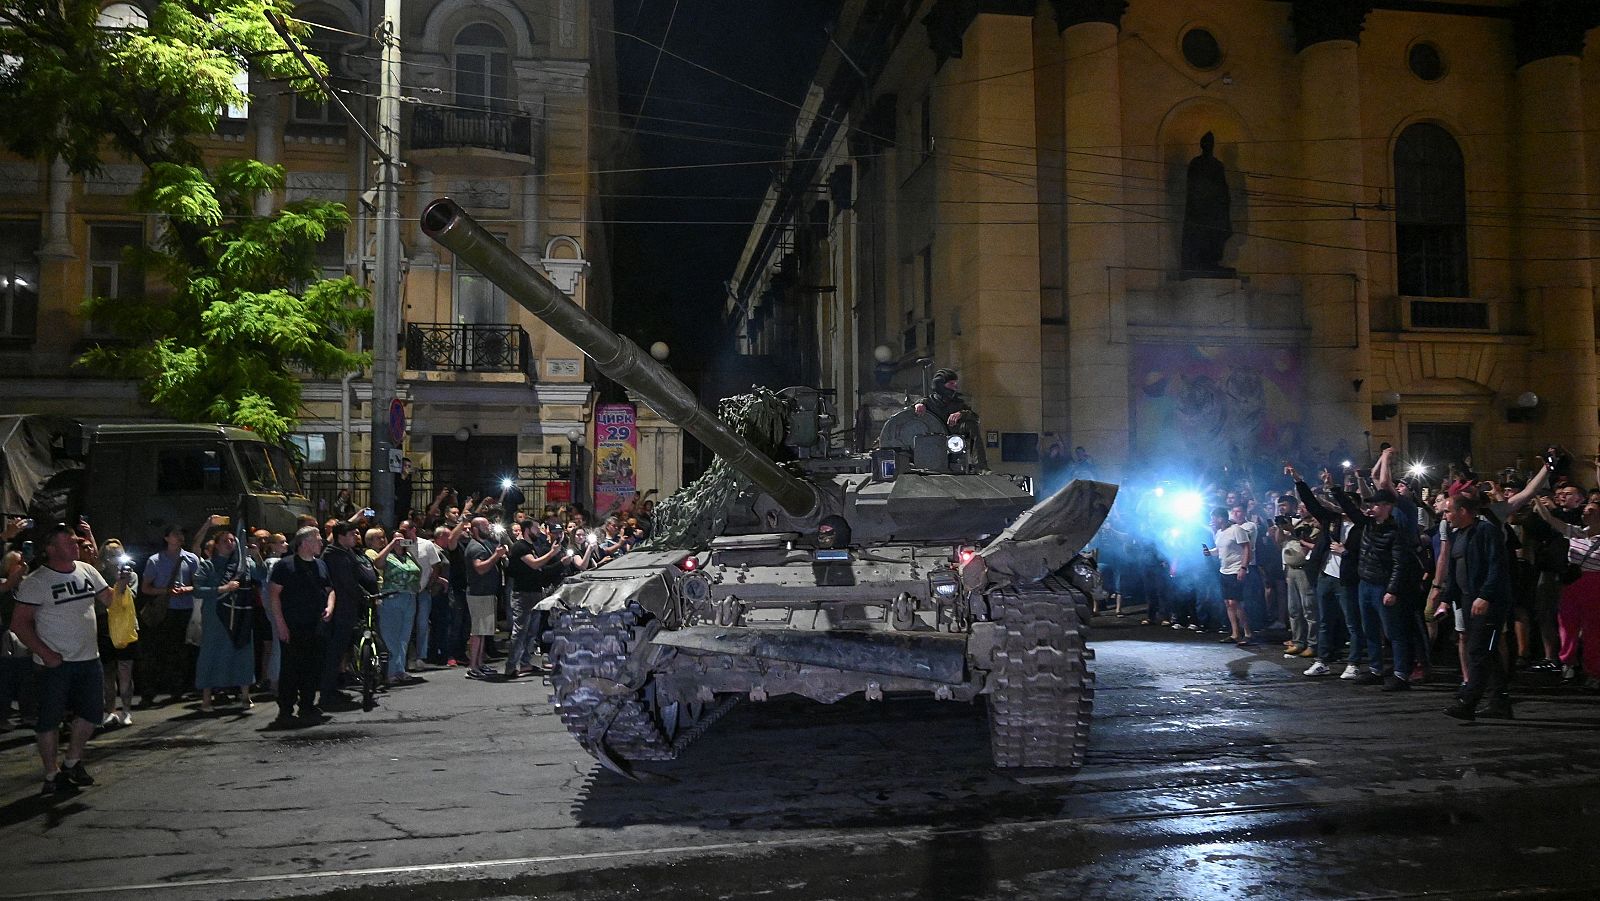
(688, 564)
(965, 555)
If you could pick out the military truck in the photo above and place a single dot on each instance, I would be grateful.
(132, 480)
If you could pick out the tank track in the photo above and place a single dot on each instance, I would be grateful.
(594, 671)
(1042, 690)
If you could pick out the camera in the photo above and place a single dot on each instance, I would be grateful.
(368, 512)
(1282, 522)
(124, 564)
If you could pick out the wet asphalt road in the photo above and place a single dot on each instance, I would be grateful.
(1214, 773)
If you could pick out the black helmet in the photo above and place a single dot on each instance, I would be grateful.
(944, 375)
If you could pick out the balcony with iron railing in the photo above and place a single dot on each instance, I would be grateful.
(460, 347)
(454, 128)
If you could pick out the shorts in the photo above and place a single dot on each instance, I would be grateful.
(74, 685)
(480, 609)
(1232, 587)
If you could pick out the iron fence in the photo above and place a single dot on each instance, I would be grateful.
(460, 347)
(433, 128)
(323, 486)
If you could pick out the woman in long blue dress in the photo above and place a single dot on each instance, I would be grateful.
(222, 663)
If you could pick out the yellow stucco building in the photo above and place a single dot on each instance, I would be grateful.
(509, 107)
(1004, 187)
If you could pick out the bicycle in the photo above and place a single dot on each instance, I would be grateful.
(370, 657)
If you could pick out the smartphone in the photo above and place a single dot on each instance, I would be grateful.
(224, 520)
(27, 550)
(369, 512)
(27, 524)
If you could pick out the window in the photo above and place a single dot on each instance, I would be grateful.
(1201, 50)
(188, 470)
(313, 449)
(477, 301)
(1430, 213)
(241, 83)
(267, 469)
(124, 16)
(19, 278)
(482, 68)
(113, 270)
(324, 46)
(1425, 61)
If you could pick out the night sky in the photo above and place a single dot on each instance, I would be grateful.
(669, 276)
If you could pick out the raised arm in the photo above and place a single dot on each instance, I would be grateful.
(1521, 498)
(1383, 470)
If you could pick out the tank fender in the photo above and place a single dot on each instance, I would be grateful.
(1045, 538)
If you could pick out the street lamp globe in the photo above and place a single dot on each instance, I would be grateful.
(660, 350)
(882, 353)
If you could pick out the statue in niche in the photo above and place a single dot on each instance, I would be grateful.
(1207, 220)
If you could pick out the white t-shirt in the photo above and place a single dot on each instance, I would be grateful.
(64, 609)
(428, 555)
(1231, 542)
(1335, 558)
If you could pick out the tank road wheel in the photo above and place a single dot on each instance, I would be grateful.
(608, 705)
(1041, 689)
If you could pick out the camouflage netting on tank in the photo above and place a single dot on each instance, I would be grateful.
(697, 512)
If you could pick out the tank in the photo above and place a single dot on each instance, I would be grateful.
(810, 571)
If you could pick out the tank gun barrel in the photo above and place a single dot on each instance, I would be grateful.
(447, 223)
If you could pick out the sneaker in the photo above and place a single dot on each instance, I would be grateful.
(1392, 682)
(111, 720)
(1460, 710)
(1308, 652)
(76, 775)
(1290, 650)
(1498, 710)
(1419, 673)
(1318, 669)
(1176, 626)
(1367, 677)
(1195, 627)
(50, 787)
(125, 718)
(1351, 673)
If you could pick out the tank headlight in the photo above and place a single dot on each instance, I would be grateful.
(956, 444)
(943, 583)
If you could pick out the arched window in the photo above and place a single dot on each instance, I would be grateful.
(123, 15)
(1430, 213)
(482, 67)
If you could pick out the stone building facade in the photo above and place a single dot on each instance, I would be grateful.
(510, 108)
(1003, 186)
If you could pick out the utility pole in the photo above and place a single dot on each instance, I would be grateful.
(386, 277)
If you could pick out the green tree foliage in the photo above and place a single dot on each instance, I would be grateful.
(238, 311)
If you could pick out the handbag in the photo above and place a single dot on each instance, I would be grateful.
(121, 619)
(192, 634)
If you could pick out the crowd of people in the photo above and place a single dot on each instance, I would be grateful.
(1375, 570)
(223, 612)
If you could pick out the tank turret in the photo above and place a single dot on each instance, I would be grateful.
(446, 222)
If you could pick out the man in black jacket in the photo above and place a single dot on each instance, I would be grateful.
(1480, 586)
(354, 579)
(1391, 578)
(1334, 557)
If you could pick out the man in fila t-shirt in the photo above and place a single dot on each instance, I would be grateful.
(55, 619)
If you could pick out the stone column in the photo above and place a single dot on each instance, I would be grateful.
(1098, 414)
(266, 115)
(1335, 276)
(1556, 277)
(57, 235)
